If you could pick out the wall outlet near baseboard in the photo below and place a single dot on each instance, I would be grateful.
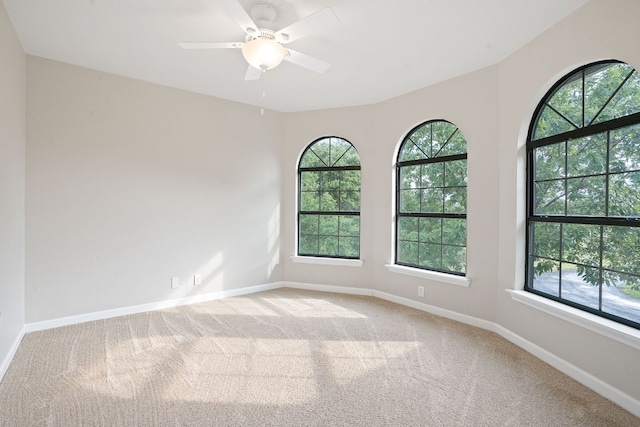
(421, 291)
(175, 282)
(197, 279)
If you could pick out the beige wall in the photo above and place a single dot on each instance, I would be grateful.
(12, 164)
(130, 184)
(470, 102)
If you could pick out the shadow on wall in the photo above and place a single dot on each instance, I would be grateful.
(211, 272)
(273, 242)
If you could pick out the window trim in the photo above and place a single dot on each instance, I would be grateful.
(530, 295)
(436, 276)
(608, 328)
(325, 260)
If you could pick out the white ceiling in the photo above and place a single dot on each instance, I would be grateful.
(379, 49)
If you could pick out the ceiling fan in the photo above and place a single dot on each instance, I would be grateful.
(263, 47)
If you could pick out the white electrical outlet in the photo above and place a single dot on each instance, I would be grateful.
(175, 282)
(421, 291)
(197, 279)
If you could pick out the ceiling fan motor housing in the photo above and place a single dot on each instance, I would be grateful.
(262, 33)
(263, 12)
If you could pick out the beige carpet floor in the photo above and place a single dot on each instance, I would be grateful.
(289, 358)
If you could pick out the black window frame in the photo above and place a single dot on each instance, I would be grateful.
(586, 130)
(339, 213)
(399, 214)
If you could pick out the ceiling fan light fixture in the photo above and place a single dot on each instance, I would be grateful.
(264, 53)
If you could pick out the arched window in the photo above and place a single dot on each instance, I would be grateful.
(329, 199)
(583, 202)
(431, 199)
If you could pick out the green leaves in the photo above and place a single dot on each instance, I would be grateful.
(602, 89)
(592, 95)
(433, 243)
(329, 235)
(329, 175)
(586, 196)
(581, 244)
(624, 197)
(587, 155)
(330, 191)
(551, 123)
(330, 152)
(625, 149)
(573, 178)
(615, 263)
(566, 102)
(432, 188)
(622, 250)
(550, 162)
(437, 138)
(439, 187)
(583, 229)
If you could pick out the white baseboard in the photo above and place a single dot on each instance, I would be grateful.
(624, 400)
(328, 288)
(143, 308)
(442, 312)
(602, 388)
(12, 352)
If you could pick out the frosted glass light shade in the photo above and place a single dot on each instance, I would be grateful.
(263, 53)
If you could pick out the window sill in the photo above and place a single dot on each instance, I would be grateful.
(327, 261)
(608, 328)
(431, 275)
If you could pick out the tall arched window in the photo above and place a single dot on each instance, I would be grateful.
(329, 199)
(583, 202)
(431, 199)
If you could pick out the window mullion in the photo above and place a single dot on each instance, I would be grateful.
(600, 269)
(566, 174)
(607, 173)
(583, 97)
(611, 97)
(318, 236)
(560, 261)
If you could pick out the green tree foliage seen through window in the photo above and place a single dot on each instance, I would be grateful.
(584, 185)
(431, 205)
(329, 199)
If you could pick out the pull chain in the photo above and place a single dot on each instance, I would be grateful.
(264, 92)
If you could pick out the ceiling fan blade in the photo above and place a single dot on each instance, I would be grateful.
(313, 23)
(238, 14)
(253, 73)
(306, 61)
(206, 45)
